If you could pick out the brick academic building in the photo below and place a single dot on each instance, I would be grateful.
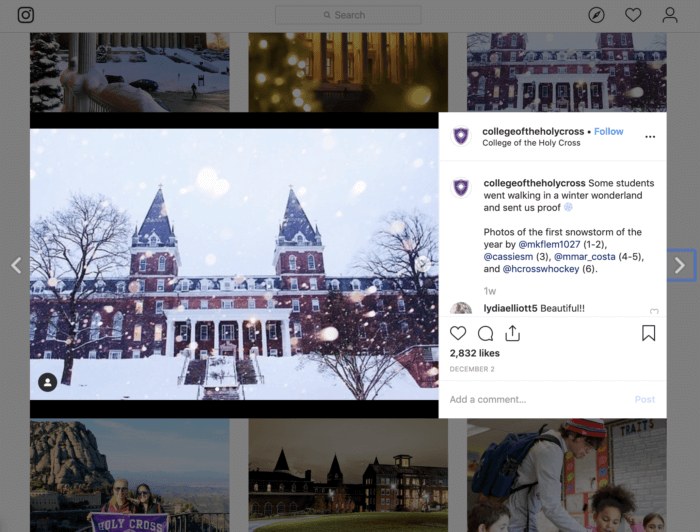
(156, 311)
(384, 488)
(613, 75)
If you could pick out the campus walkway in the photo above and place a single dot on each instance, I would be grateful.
(206, 102)
(254, 525)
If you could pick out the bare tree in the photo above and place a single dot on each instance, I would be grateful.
(478, 41)
(81, 244)
(402, 253)
(338, 348)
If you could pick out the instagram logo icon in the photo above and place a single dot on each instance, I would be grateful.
(25, 14)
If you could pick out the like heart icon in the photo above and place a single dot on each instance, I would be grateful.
(654, 311)
(458, 332)
(633, 13)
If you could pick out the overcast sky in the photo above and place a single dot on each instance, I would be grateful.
(580, 41)
(311, 444)
(226, 190)
(167, 445)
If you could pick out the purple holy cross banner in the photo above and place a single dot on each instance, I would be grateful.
(129, 522)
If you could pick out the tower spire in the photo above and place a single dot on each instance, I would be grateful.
(282, 463)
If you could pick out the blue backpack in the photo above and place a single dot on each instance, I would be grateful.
(499, 464)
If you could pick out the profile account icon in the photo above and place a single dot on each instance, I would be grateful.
(461, 136)
(461, 188)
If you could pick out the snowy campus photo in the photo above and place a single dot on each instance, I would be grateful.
(129, 72)
(238, 264)
(566, 72)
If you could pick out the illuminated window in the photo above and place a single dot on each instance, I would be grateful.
(137, 333)
(158, 334)
(138, 307)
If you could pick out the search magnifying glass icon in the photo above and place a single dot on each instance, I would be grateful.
(326, 14)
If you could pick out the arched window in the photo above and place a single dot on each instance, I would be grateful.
(255, 487)
(610, 40)
(355, 284)
(377, 284)
(255, 509)
(38, 287)
(117, 325)
(32, 326)
(280, 509)
(204, 285)
(161, 264)
(306, 487)
(269, 487)
(292, 507)
(281, 487)
(311, 262)
(268, 508)
(120, 287)
(153, 240)
(623, 39)
(95, 326)
(335, 284)
(292, 262)
(300, 239)
(52, 329)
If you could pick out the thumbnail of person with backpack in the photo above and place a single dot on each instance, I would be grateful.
(524, 471)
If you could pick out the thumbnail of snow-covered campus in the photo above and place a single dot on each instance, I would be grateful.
(273, 264)
(129, 72)
(566, 72)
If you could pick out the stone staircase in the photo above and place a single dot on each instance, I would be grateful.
(226, 395)
(246, 372)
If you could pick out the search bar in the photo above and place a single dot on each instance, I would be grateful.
(382, 15)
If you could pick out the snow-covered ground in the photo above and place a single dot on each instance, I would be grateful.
(165, 72)
(146, 378)
(285, 379)
(156, 378)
